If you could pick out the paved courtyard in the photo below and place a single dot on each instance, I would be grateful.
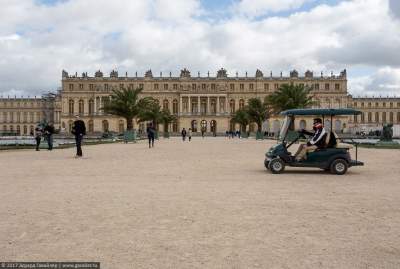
(209, 203)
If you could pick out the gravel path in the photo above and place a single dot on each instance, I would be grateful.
(209, 203)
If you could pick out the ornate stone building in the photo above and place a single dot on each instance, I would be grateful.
(21, 115)
(198, 101)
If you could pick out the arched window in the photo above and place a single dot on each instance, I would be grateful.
(376, 117)
(194, 125)
(175, 106)
(91, 126)
(18, 130)
(213, 105)
(203, 125)
(232, 105)
(81, 107)
(105, 126)
(91, 107)
(241, 104)
(71, 106)
(31, 129)
(391, 117)
(384, 117)
(175, 127)
(166, 104)
(369, 116)
(398, 117)
(121, 126)
(25, 130)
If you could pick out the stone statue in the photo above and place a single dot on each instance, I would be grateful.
(98, 74)
(64, 74)
(185, 73)
(387, 132)
(83, 74)
(222, 73)
(259, 73)
(294, 74)
(309, 74)
(114, 74)
(148, 74)
(343, 74)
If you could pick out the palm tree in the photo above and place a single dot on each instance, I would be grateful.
(151, 112)
(258, 112)
(290, 96)
(125, 103)
(167, 118)
(241, 117)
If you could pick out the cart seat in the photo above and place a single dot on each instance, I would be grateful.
(344, 146)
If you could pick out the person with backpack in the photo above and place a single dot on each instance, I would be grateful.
(151, 134)
(183, 133)
(78, 130)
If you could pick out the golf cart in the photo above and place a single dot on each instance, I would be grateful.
(335, 157)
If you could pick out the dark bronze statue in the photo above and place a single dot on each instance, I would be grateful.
(387, 132)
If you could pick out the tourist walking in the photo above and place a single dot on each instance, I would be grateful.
(203, 132)
(78, 130)
(183, 133)
(48, 132)
(38, 137)
(190, 134)
(151, 133)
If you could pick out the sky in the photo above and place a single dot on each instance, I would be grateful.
(40, 38)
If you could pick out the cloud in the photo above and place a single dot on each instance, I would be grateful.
(385, 81)
(38, 41)
(262, 7)
(395, 8)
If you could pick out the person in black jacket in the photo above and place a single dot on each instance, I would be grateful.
(316, 141)
(48, 132)
(79, 130)
(151, 133)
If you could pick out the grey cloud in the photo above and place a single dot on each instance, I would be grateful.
(394, 6)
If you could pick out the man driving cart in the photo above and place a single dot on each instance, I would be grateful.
(317, 140)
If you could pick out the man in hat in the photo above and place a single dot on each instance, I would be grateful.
(316, 141)
(79, 130)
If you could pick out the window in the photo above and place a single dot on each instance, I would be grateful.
(384, 117)
(194, 86)
(212, 86)
(369, 104)
(251, 86)
(362, 104)
(384, 104)
(81, 86)
(106, 87)
(369, 116)
(276, 86)
(232, 86)
(316, 86)
(156, 86)
(175, 86)
(166, 104)
(71, 87)
(266, 86)
(81, 107)
(391, 105)
(241, 104)
(376, 117)
(141, 86)
(91, 107)
(25, 117)
(376, 104)
(337, 86)
(327, 86)
(241, 86)
(203, 86)
(91, 87)
(391, 117)
(175, 106)
(232, 105)
(91, 126)
(71, 107)
(166, 87)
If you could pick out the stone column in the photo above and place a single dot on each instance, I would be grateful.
(190, 105)
(94, 105)
(180, 105)
(198, 104)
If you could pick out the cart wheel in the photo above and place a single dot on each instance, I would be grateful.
(266, 164)
(339, 167)
(276, 166)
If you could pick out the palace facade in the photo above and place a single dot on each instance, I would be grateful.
(199, 102)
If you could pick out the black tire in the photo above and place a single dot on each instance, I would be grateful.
(266, 164)
(339, 167)
(276, 166)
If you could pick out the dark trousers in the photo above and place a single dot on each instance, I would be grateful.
(50, 141)
(78, 139)
(37, 142)
(183, 137)
(151, 140)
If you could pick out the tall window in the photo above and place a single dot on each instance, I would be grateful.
(91, 107)
(316, 86)
(91, 126)
(241, 104)
(71, 106)
(232, 86)
(232, 105)
(166, 87)
(251, 86)
(376, 116)
(369, 116)
(384, 117)
(175, 106)
(241, 86)
(165, 104)
(337, 86)
(266, 86)
(156, 86)
(391, 117)
(81, 107)
(327, 86)
(212, 86)
(71, 87)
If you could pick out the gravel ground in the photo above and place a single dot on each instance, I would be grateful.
(209, 203)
